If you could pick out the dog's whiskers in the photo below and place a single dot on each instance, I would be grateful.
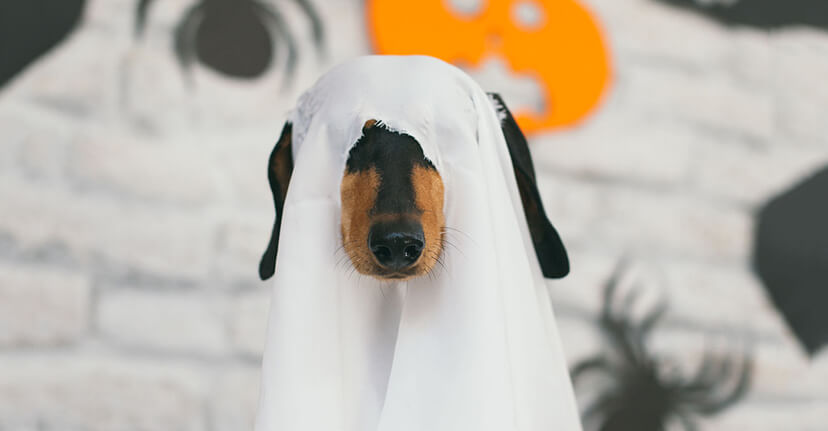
(445, 228)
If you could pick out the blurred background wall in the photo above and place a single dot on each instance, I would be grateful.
(134, 207)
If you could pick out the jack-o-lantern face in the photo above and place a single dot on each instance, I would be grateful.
(555, 41)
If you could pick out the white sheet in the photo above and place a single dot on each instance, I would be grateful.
(474, 347)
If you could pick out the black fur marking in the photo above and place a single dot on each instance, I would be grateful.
(549, 248)
(279, 170)
(394, 156)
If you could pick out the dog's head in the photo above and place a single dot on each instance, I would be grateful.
(392, 204)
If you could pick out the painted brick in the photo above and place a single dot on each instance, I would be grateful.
(769, 416)
(573, 206)
(191, 322)
(632, 27)
(243, 159)
(134, 172)
(241, 241)
(723, 297)
(235, 399)
(99, 393)
(801, 61)
(248, 327)
(80, 80)
(752, 175)
(618, 149)
(166, 171)
(175, 245)
(40, 306)
(705, 100)
(653, 223)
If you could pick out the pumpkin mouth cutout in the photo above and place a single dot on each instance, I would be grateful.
(525, 91)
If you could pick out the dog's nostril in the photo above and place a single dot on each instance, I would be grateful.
(412, 252)
(396, 245)
(382, 253)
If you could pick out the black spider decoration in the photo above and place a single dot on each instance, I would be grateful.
(643, 393)
(238, 38)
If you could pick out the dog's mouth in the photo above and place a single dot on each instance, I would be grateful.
(525, 92)
(397, 276)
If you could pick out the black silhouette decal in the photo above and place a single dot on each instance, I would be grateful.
(644, 392)
(765, 14)
(791, 257)
(238, 38)
(29, 28)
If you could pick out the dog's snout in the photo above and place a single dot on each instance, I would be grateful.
(396, 245)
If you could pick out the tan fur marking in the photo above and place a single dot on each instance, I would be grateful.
(429, 193)
(283, 164)
(368, 124)
(358, 193)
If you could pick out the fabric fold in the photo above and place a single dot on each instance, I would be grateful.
(474, 345)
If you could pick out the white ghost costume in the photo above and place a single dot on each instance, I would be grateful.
(473, 346)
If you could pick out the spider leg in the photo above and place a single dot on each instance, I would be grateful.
(614, 317)
(653, 316)
(631, 337)
(610, 288)
(720, 397)
(619, 335)
(617, 316)
(589, 365)
(705, 368)
(703, 384)
(686, 422)
(280, 26)
(711, 374)
(141, 11)
(601, 407)
(641, 330)
(318, 31)
(637, 336)
(185, 34)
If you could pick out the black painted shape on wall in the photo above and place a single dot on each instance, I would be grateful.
(235, 37)
(30, 28)
(641, 390)
(765, 14)
(791, 257)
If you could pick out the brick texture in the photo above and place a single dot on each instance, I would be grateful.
(134, 208)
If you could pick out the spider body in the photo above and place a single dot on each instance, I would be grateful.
(227, 25)
(645, 393)
(238, 38)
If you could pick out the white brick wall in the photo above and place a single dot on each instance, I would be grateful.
(95, 392)
(134, 208)
(166, 321)
(42, 306)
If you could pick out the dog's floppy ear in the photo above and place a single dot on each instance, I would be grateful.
(279, 169)
(548, 245)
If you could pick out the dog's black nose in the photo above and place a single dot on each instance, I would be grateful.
(398, 244)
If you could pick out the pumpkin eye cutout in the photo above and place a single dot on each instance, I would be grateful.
(528, 15)
(466, 8)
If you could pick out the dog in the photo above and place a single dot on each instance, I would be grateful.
(408, 258)
(392, 220)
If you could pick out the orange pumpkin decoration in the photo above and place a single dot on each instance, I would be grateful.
(563, 47)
